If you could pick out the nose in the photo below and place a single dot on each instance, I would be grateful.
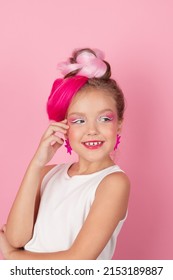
(92, 129)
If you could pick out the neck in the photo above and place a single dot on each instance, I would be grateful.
(85, 167)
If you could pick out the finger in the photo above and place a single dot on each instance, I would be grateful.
(53, 138)
(61, 124)
(4, 228)
(53, 129)
(64, 120)
(55, 146)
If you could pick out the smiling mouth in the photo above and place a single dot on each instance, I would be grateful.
(93, 144)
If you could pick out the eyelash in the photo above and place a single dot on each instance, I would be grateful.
(106, 119)
(81, 121)
(78, 121)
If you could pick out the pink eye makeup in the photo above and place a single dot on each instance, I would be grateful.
(102, 117)
(107, 117)
(76, 120)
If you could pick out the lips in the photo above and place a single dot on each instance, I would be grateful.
(93, 144)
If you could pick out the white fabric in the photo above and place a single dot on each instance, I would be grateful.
(65, 204)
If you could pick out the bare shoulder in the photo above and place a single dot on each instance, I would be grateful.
(115, 188)
(46, 169)
(116, 182)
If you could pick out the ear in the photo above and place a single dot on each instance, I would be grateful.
(120, 124)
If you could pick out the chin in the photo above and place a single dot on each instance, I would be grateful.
(94, 158)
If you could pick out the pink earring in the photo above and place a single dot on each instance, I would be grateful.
(118, 142)
(68, 147)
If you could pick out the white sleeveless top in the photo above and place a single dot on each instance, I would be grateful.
(65, 204)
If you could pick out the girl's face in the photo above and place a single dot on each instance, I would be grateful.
(93, 124)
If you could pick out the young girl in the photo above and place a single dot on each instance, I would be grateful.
(73, 211)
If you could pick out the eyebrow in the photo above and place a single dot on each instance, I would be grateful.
(100, 112)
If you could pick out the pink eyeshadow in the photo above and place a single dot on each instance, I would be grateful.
(110, 116)
(72, 119)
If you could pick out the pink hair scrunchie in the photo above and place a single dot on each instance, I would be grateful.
(88, 64)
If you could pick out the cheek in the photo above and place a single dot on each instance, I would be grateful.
(110, 130)
(73, 133)
(111, 135)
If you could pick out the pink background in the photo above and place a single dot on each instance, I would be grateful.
(137, 37)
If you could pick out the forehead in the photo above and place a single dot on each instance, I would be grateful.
(92, 100)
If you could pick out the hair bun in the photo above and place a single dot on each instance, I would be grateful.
(85, 62)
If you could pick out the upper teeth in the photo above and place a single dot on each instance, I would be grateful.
(92, 143)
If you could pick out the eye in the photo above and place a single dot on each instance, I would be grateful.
(78, 121)
(105, 119)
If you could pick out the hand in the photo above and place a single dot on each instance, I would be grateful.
(5, 246)
(50, 142)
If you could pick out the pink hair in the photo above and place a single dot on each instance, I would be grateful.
(88, 64)
(61, 95)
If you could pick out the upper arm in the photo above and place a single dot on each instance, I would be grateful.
(108, 208)
(44, 171)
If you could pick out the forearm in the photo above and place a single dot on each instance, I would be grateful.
(27, 255)
(21, 217)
